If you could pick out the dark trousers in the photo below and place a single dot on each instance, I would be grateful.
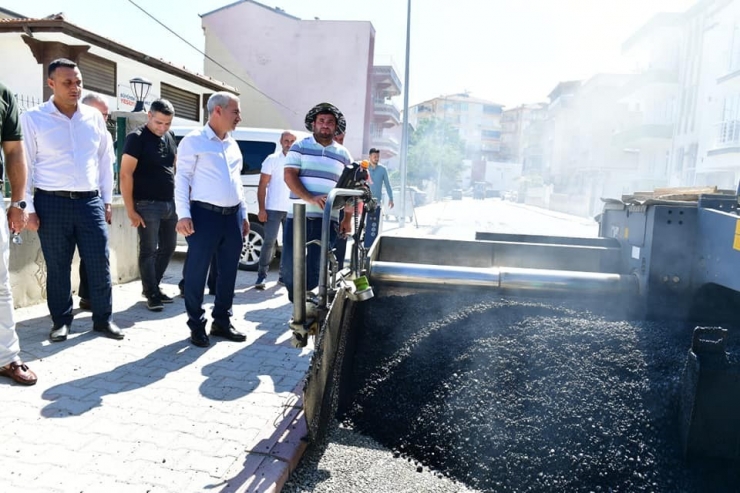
(157, 241)
(313, 253)
(63, 224)
(212, 275)
(219, 235)
(372, 227)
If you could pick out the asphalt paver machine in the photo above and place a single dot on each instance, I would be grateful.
(664, 257)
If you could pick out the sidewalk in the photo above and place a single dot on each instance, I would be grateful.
(152, 413)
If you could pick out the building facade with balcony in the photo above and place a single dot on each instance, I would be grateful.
(651, 101)
(717, 121)
(386, 116)
(478, 122)
(284, 65)
(514, 125)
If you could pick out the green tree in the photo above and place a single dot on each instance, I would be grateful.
(435, 153)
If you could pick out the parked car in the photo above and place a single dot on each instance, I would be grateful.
(457, 194)
(255, 144)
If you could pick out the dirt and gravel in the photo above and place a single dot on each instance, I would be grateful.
(509, 395)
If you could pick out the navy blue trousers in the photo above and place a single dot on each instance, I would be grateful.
(219, 235)
(313, 253)
(63, 224)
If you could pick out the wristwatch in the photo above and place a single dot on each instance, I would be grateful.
(21, 204)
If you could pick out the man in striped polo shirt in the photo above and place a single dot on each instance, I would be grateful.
(312, 168)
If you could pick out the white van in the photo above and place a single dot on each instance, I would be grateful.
(256, 144)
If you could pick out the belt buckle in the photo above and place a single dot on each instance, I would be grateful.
(74, 195)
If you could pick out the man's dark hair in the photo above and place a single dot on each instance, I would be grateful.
(59, 62)
(374, 151)
(162, 106)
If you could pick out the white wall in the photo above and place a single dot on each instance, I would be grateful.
(298, 63)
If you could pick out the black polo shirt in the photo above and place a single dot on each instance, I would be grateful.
(10, 125)
(154, 176)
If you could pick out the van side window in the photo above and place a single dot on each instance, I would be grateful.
(254, 153)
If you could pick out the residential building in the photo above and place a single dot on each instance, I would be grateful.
(386, 116)
(711, 129)
(558, 130)
(284, 65)
(514, 123)
(532, 140)
(106, 67)
(650, 99)
(477, 120)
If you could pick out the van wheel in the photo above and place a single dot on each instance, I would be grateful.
(252, 248)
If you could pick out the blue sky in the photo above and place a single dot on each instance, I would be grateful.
(507, 51)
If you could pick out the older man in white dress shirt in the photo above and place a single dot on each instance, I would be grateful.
(69, 193)
(212, 215)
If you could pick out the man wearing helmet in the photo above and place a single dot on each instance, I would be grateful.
(312, 168)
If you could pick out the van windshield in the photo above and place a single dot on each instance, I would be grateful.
(254, 153)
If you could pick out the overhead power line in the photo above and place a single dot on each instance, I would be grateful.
(211, 59)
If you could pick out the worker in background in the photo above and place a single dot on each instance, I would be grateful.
(378, 178)
(273, 199)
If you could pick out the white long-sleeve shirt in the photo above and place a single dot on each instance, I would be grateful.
(208, 170)
(70, 154)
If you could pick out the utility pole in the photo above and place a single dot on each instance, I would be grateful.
(405, 130)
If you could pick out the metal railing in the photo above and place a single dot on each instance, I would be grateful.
(727, 133)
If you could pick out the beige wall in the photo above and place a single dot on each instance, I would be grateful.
(28, 269)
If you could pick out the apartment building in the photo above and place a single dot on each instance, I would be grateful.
(477, 120)
(386, 116)
(515, 123)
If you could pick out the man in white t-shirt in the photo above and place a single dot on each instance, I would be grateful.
(273, 197)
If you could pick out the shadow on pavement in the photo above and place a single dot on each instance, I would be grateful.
(80, 396)
(224, 383)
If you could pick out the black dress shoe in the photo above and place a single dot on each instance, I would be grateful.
(229, 332)
(109, 330)
(199, 338)
(59, 332)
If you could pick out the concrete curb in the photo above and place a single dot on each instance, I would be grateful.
(270, 462)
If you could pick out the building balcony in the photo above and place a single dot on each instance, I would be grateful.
(667, 78)
(726, 138)
(386, 114)
(643, 134)
(386, 80)
(388, 146)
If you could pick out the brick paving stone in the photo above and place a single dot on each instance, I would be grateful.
(151, 412)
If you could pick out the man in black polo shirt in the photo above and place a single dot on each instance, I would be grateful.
(148, 191)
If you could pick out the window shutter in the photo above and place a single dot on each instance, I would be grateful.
(98, 74)
(187, 104)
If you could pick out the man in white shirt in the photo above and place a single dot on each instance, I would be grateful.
(68, 153)
(273, 197)
(212, 215)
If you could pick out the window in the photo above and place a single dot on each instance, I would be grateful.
(490, 109)
(254, 153)
(490, 134)
(734, 61)
(98, 74)
(187, 104)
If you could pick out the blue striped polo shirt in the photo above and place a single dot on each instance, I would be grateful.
(320, 168)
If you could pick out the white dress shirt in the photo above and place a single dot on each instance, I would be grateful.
(278, 193)
(70, 154)
(208, 170)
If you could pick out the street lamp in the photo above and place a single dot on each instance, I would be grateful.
(140, 87)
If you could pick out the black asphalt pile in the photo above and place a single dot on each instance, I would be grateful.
(527, 395)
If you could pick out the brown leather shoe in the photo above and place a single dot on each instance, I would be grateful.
(19, 372)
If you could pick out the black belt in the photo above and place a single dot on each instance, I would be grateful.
(69, 194)
(225, 211)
